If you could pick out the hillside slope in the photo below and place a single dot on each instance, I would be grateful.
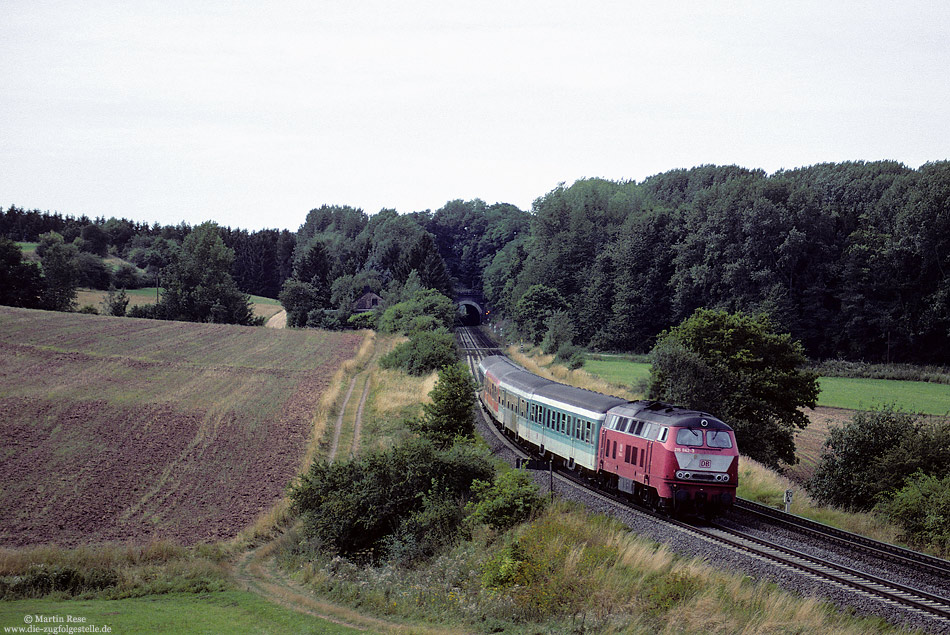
(122, 429)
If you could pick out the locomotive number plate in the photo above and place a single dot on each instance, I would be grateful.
(705, 463)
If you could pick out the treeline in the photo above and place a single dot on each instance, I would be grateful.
(852, 259)
(342, 252)
(263, 259)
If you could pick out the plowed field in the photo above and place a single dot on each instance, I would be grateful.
(119, 429)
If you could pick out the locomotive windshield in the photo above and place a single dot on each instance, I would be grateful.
(689, 436)
(718, 439)
(694, 437)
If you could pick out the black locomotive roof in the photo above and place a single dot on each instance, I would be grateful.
(666, 415)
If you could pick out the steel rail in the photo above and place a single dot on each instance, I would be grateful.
(883, 550)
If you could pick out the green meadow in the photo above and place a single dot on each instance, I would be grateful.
(836, 392)
(618, 370)
(869, 394)
(219, 612)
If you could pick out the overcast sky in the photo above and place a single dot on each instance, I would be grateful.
(252, 113)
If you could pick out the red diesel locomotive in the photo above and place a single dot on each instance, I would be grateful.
(677, 460)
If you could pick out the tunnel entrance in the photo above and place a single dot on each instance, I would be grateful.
(470, 314)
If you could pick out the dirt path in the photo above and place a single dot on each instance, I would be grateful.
(277, 321)
(358, 423)
(257, 571)
(338, 428)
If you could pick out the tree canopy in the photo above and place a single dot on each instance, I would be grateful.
(737, 367)
(199, 286)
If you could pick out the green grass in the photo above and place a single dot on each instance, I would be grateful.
(619, 370)
(222, 612)
(149, 292)
(836, 392)
(867, 394)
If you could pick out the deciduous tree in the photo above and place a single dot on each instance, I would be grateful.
(737, 367)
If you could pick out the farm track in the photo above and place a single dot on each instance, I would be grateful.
(875, 593)
(258, 572)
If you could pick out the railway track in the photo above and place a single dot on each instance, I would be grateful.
(855, 542)
(476, 346)
(933, 606)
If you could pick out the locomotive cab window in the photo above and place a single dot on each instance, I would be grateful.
(689, 436)
(718, 439)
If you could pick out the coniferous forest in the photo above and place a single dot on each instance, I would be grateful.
(853, 259)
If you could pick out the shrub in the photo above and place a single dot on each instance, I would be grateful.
(396, 503)
(150, 311)
(359, 321)
(511, 499)
(423, 353)
(115, 303)
(402, 317)
(89, 309)
(560, 332)
(874, 453)
(571, 355)
(93, 272)
(922, 510)
(128, 277)
(509, 566)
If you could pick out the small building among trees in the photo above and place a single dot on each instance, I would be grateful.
(366, 302)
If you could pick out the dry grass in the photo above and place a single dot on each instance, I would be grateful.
(763, 485)
(545, 366)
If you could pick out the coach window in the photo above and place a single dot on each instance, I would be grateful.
(587, 433)
(614, 453)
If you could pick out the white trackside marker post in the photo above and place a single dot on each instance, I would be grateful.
(788, 500)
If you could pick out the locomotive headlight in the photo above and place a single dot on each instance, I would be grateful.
(679, 475)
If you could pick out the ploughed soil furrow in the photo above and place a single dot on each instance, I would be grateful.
(104, 448)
